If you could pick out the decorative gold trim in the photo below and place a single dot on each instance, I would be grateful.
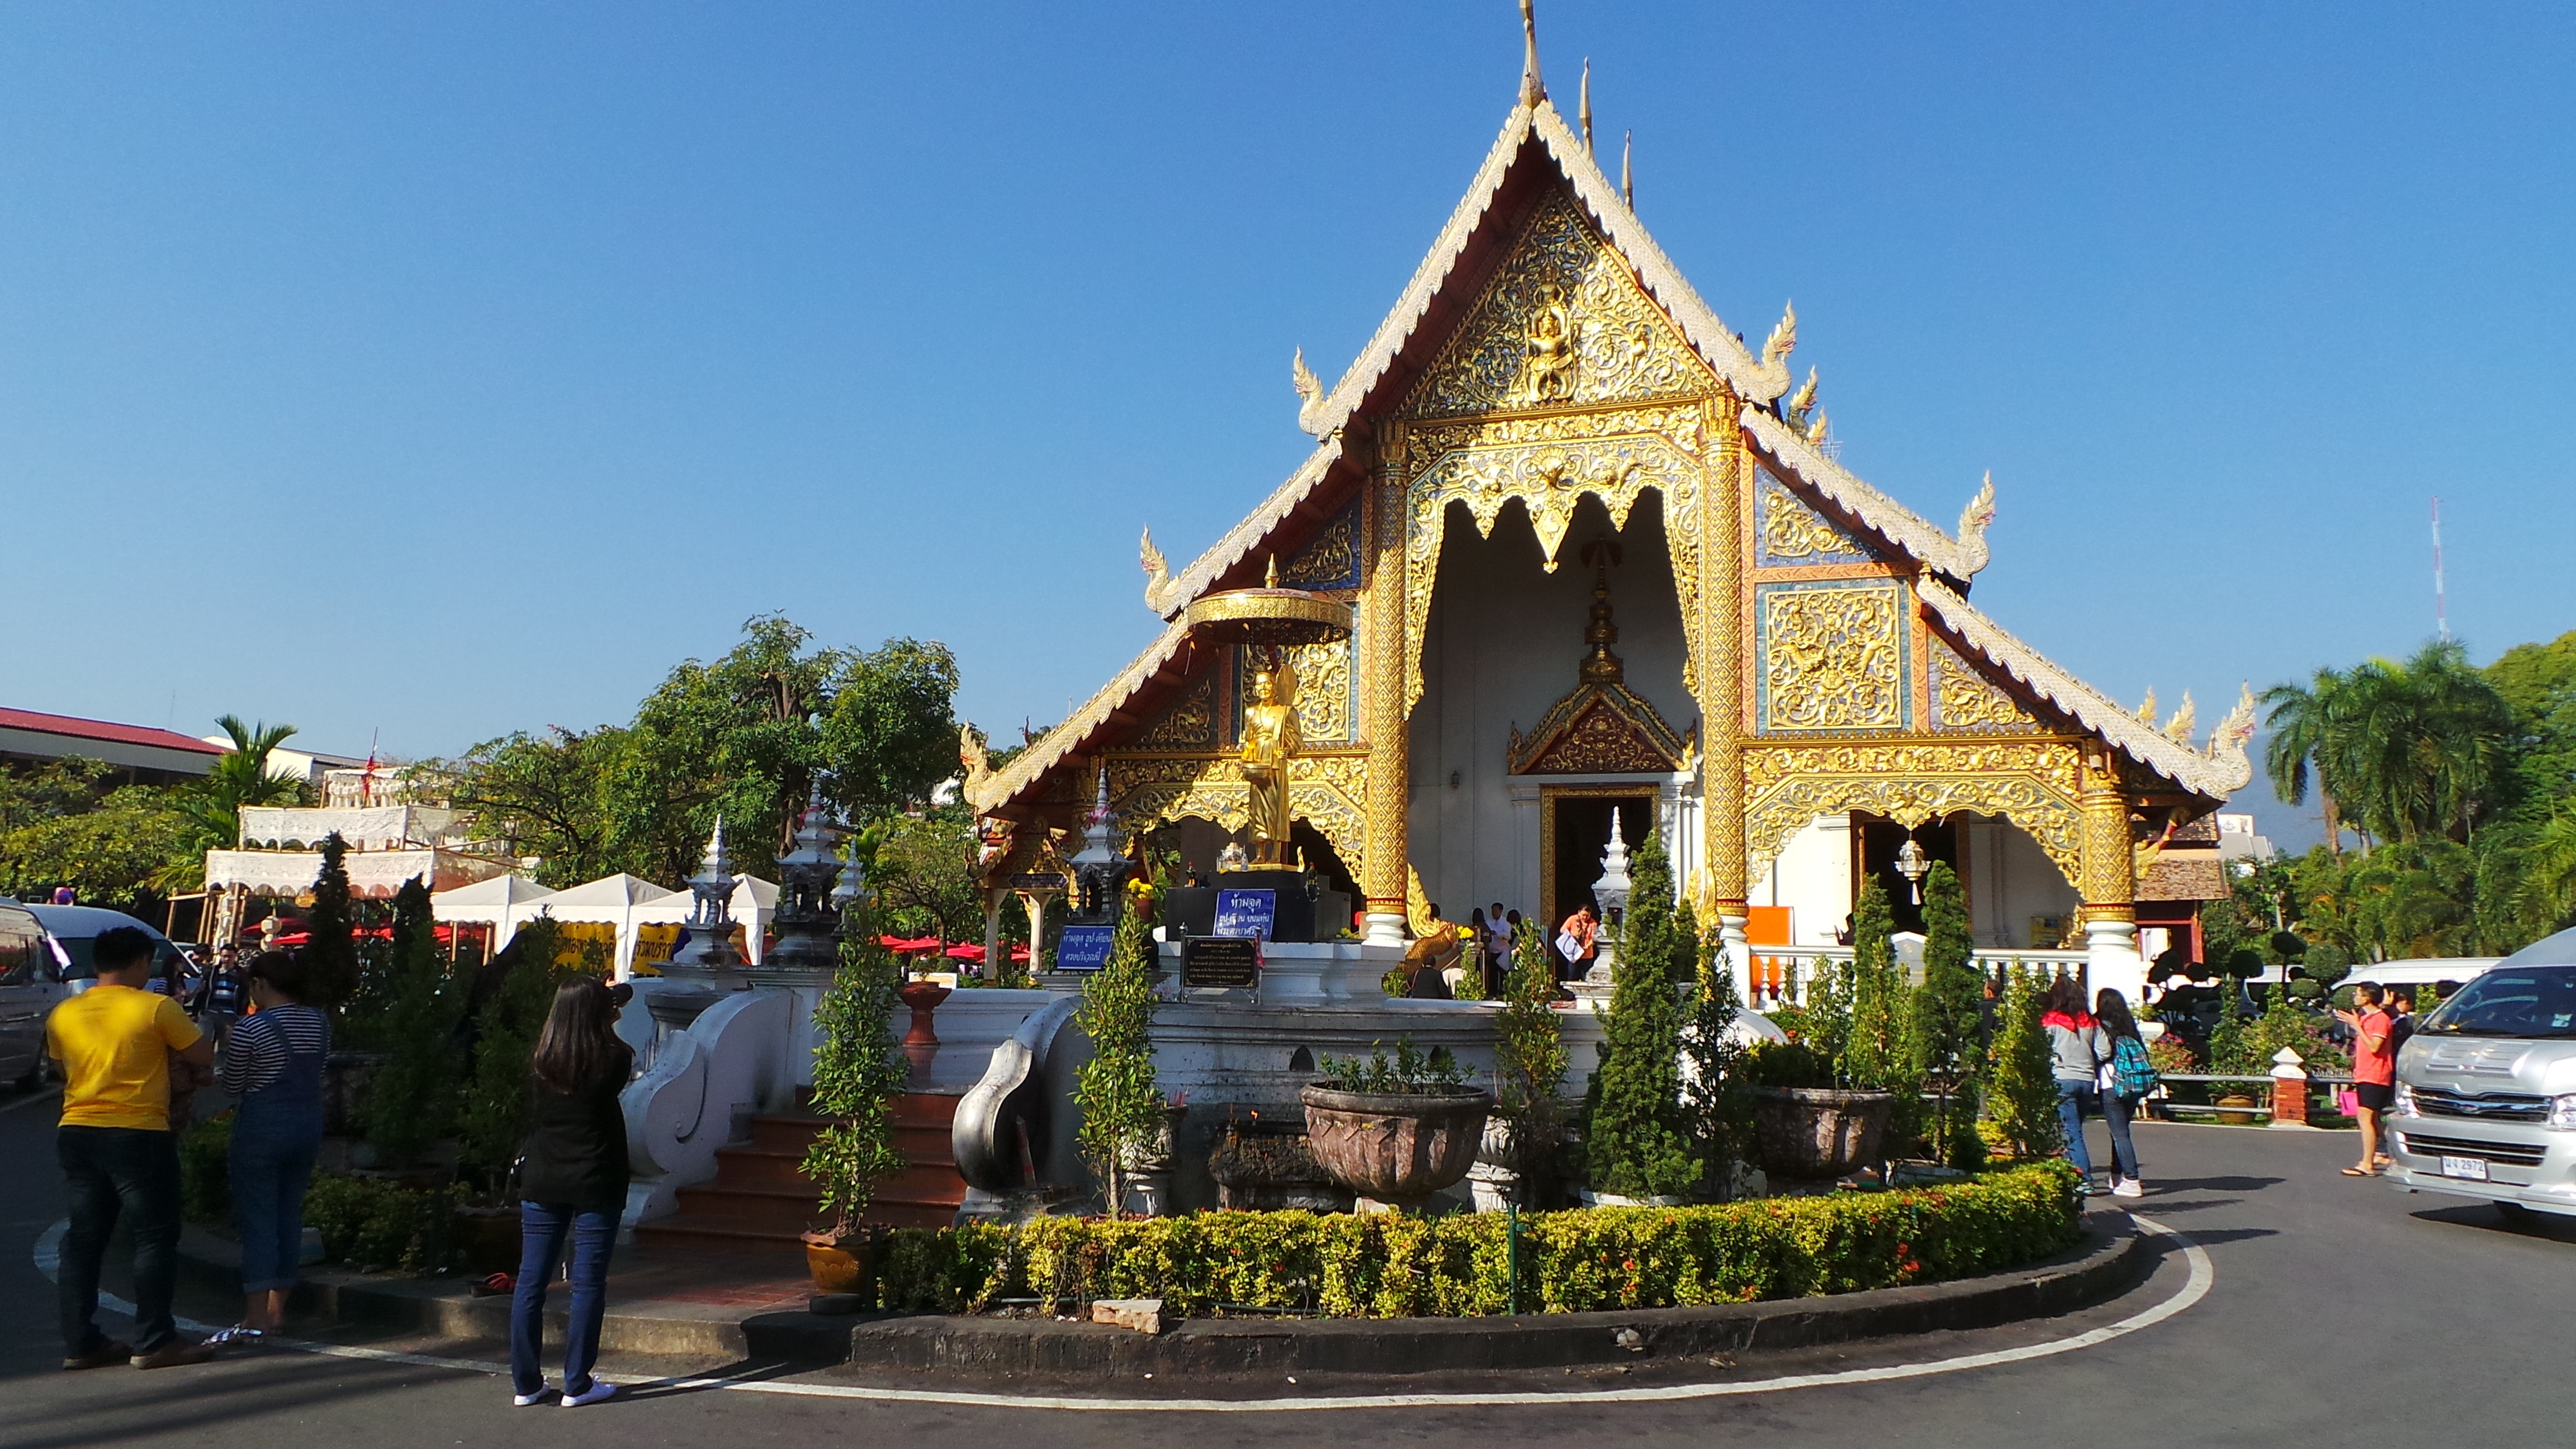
(1551, 910)
(2034, 783)
(1268, 616)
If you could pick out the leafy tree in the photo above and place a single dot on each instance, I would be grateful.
(1122, 1107)
(2228, 1051)
(1637, 1141)
(543, 795)
(923, 873)
(2023, 1095)
(113, 847)
(859, 1069)
(1530, 1058)
(1949, 1017)
(2402, 750)
(1874, 1055)
(1717, 1091)
(331, 955)
(411, 1100)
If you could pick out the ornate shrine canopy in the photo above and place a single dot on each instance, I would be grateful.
(1547, 352)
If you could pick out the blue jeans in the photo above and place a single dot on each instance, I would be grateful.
(112, 1172)
(272, 1164)
(542, 1230)
(2117, 1110)
(2072, 1099)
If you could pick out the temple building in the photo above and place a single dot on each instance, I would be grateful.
(1598, 558)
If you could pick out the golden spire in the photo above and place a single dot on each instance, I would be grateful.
(1270, 580)
(1533, 90)
(1627, 176)
(1583, 112)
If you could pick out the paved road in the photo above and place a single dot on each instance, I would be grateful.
(2342, 1312)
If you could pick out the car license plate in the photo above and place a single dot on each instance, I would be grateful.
(2473, 1168)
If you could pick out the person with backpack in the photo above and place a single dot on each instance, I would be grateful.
(2076, 1053)
(2126, 1079)
(572, 1185)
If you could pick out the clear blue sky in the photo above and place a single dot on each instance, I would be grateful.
(448, 370)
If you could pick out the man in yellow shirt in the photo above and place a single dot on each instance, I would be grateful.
(119, 1151)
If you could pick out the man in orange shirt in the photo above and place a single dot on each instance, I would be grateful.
(119, 1149)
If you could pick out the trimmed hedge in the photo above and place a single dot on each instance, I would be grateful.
(375, 1223)
(1387, 1266)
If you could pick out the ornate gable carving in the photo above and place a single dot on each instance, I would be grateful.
(1189, 724)
(1788, 533)
(1599, 732)
(1965, 700)
(1562, 321)
(1331, 559)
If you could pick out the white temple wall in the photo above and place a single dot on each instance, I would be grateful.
(1503, 643)
(1813, 879)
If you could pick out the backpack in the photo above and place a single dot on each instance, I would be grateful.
(2132, 1074)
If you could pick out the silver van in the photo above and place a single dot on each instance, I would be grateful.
(2486, 1087)
(28, 991)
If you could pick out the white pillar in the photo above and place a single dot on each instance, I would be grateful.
(2111, 958)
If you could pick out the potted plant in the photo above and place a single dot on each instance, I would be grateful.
(859, 1069)
(1395, 1131)
(1806, 1126)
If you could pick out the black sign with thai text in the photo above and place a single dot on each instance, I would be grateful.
(1221, 963)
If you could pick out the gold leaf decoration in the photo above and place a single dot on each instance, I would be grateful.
(1832, 657)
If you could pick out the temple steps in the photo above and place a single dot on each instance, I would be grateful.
(761, 1197)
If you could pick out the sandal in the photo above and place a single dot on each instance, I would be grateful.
(2361, 1172)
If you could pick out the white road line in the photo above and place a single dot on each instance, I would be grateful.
(2202, 1277)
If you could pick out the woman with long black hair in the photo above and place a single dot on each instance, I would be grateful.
(572, 1184)
(2127, 1076)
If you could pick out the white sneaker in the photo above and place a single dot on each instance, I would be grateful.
(521, 1401)
(598, 1392)
(2128, 1187)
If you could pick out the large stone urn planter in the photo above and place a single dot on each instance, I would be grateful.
(1263, 1166)
(1395, 1150)
(1812, 1132)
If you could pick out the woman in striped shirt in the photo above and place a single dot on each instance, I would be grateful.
(273, 1067)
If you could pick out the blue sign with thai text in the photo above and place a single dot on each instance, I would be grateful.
(1251, 913)
(1083, 948)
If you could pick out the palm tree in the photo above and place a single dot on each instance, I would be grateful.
(2305, 733)
(212, 807)
(2400, 750)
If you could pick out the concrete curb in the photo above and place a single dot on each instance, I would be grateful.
(2113, 1257)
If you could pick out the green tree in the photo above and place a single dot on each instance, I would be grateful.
(1116, 1091)
(331, 955)
(2021, 1071)
(212, 807)
(922, 872)
(411, 1100)
(1949, 1018)
(1637, 1142)
(113, 849)
(494, 1119)
(2402, 750)
(859, 1069)
(542, 795)
(1530, 1057)
(1873, 1057)
(1717, 1092)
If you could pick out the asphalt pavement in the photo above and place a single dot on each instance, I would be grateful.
(2335, 1311)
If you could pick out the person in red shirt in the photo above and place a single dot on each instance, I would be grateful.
(2374, 1070)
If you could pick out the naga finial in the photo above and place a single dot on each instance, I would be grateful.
(1310, 393)
(1973, 521)
(1783, 339)
(1158, 572)
(1583, 111)
(1533, 90)
(2178, 729)
(2147, 709)
(1627, 173)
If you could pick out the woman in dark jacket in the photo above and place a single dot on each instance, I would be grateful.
(572, 1183)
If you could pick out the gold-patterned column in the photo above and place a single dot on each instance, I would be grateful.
(1721, 671)
(2110, 878)
(1382, 691)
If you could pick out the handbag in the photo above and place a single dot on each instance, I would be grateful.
(2348, 1101)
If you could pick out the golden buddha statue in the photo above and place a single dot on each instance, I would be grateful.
(1270, 741)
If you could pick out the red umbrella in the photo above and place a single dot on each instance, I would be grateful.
(964, 953)
(1019, 953)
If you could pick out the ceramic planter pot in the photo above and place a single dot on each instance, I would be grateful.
(1395, 1149)
(843, 1264)
(1811, 1133)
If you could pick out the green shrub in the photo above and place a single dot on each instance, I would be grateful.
(1530, 1059)
(1392, 1266)
(493, 1118)
(1115, 1091)
(1789, 1064)
(2024, 1076)
(330, 950)
(1407, 1073)
(376, 1223)
(1636, 1138)
(859, 1070)
(411, 1100)
(205, 1170)
(1948, 1020)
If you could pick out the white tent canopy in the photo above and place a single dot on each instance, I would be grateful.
(614, 900)
(504, 902)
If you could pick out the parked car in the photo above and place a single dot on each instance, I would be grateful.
(28, 990)
(2486, 1087)
(75, 931)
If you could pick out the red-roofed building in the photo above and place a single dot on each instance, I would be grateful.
(142, 755)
